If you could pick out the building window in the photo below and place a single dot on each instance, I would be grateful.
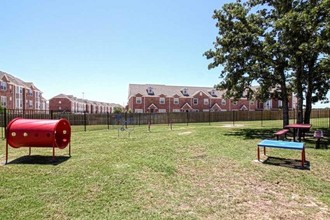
(3, 101)
(176, 101)
(234, 102)
(195, 101)
(138, 110)
(206, 101)
(161, 100)
(223, 102)
(176, 110)
(206, 110)
(59, 102)
(185, 92)
(29, 92)
(3, 85)
(138, 100)
(251, 102)
(30, 104)
(150, 91)
(162, 110)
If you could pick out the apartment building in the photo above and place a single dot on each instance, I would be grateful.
(144, 98)
(20, 95)
(69, 103)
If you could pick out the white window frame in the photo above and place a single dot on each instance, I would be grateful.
(162, 100)
(176, 101)
(138, 100)
(161, 110)
(3, 85)
(176, 110)
(195, 101)
(138, 110)
(223, 102)
(206, 101)
(4, 101)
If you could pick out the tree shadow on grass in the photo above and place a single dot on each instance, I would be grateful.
(41, 160)
(253, 133)
(285, 162)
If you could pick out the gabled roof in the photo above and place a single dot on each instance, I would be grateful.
(16, 81)
(216, 106)
(169, 91)
(186, 106)
(201, 91)
(243, 108)
(152, 106)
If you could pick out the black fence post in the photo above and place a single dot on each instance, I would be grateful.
(85, 121)
(5, 121)
(51, 114)
(139, 114)
(233, 116)
(125, 118)
(108, 120)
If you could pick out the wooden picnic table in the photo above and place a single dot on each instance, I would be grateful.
(297, 129)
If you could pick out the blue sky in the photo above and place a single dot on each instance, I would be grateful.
(95, 48)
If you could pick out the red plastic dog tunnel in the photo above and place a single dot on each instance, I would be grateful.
(22, 132)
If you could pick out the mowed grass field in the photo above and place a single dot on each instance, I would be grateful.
(199, 171)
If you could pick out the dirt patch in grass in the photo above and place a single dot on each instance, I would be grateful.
(232, 126)
(185, 133)
(207, 188)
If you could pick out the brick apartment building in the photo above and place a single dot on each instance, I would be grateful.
(144, 98)
(69, 103)
(20, 95)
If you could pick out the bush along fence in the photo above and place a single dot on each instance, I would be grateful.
(320, 118)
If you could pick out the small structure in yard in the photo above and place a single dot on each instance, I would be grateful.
(318, 134)
(38, 133)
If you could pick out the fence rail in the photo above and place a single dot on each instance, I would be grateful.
(320, 118)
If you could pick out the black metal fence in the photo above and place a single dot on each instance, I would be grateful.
(320, 118)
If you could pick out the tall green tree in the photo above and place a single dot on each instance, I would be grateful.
(250, 50)
(281, 44)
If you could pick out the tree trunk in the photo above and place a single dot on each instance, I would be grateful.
(300, 98)
(310, 88)
(285, 100)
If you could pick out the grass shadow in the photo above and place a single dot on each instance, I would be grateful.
(253, 133)
(41, 160)
(288, 163)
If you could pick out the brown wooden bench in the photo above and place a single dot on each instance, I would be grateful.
(281, 132)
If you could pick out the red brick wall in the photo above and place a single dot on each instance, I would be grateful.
(65, 104)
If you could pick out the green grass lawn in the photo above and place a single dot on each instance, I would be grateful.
(199, 171)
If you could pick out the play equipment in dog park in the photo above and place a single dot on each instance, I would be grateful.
(41, 133)
(124, 125)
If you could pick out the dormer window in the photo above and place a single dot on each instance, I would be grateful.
(185, 92)
(212, 93)
(150, 91)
